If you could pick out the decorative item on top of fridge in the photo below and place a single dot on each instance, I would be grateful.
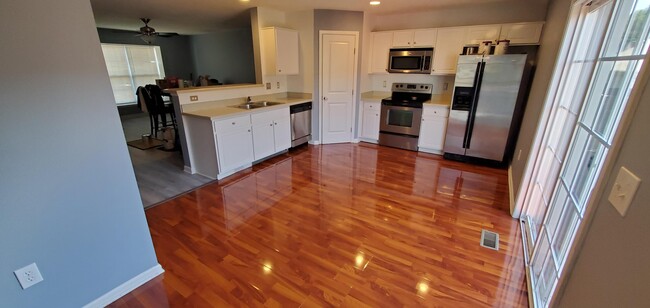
(484, 48)
(502, 47)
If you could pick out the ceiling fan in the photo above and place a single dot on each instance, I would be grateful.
(148, 33)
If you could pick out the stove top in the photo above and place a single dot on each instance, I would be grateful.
(409, 95)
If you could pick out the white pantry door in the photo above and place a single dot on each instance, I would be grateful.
(338, 84)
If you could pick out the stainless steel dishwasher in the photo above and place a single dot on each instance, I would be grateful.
(300, 123)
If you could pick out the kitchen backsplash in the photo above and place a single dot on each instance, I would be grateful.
(441, 84)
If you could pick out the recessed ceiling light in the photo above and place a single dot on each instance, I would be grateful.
(244, 0)
(375, 2)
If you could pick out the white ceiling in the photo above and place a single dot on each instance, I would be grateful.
(202, 16)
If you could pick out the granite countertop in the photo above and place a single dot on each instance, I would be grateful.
(439, 100)
(374, 96)
(223, 109)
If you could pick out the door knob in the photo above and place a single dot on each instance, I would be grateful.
(324, 98)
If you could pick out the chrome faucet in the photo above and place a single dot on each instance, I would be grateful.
(249, 100)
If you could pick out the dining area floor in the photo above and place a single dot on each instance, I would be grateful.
(159, 173)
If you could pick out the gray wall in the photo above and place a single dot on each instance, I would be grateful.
(176, 51)
(226, 55)
(339, 21)
(556, 20)
(612, 266)
(68, 196)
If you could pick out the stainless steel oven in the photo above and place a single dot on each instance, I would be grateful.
(403, 120)
(401, 115)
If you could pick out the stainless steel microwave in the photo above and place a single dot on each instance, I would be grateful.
(410, 61)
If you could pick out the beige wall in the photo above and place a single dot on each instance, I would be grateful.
(303, 21)
(556, 20)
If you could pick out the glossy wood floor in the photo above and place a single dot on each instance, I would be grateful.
(339, 225)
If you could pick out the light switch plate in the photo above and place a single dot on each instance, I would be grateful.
(623, 190)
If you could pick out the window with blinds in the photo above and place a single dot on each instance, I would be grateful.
(131, 66)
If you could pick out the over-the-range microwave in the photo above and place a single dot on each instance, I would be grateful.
(410, 60)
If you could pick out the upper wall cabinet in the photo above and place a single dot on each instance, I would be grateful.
(415, 38)
(380, 46)
(522, 33)
(478, 34)
(280, 51)
(449, 44)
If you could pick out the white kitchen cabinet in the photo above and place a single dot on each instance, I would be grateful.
(271, 132)
(234, 142)
(370, 121)
(522, 33)
(433, 129)
(414, 38)
(449, 45)
(380, 46)
(477, 34)
(280, 51)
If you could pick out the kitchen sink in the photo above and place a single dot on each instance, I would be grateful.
(254, 105)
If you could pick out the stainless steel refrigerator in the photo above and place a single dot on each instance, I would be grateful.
(488, 99)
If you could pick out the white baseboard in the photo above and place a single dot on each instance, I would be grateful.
(511, 192)
(314, 142)
(126, 287)
(430, 151)
(355, 140)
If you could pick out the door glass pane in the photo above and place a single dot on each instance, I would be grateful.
(571, 163)
(549, 277)
(559, 201)
(540, 256)
(629, 33)
(565, 230)
(582, 181)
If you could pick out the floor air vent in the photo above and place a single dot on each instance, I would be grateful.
(490, 239)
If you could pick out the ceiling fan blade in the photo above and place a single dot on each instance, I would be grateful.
(167, 34)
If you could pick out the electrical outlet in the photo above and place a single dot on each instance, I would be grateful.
(194, 98)
(384, 83)
(445, 86)
(277, 85)
(268, 86)
(28, 276)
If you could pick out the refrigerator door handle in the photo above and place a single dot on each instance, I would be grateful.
(478, 79)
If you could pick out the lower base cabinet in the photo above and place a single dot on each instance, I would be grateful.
(242, 140)
(433, 129)
(370, 121)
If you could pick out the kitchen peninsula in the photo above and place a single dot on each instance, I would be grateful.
(221, 136)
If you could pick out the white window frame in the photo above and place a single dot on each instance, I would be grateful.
(132, 74)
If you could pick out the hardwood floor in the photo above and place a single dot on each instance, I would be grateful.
(339, 225)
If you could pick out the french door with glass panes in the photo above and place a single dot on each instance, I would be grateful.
(606, 42)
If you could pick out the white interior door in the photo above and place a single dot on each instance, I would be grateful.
(338, 81)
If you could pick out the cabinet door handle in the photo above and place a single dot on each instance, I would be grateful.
(249, 130)
(280, 71)
(233, 123)
(271, 124)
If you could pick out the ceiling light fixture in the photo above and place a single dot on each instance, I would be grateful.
(375, 2)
